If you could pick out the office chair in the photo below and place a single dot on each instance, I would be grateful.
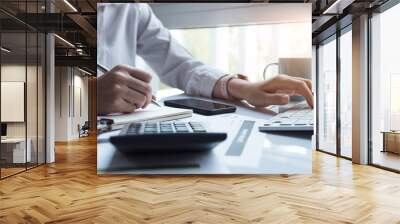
(84, 130)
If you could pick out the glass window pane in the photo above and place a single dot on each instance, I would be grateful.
(23, 87)
(247, 49)
(32, 88)
(386, 88)
(31, 98)
(346, 94)
(327, 97)
(13, 87)
(41, 98)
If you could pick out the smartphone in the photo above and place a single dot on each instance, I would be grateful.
(199, 106)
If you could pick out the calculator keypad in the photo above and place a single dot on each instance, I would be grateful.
(165, 128)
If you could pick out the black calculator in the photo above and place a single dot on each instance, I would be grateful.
(166, 137)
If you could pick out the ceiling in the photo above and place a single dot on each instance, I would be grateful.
(76, 25)
(331, 15)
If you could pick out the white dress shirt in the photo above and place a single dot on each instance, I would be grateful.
(126, 30)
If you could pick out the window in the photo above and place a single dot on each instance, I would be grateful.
(247, 49)
(346, 93)
(326, 108)
(385, 86)
(15, 155)
(22, 92)
(335, 73)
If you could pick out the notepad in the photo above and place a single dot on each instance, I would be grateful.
(150, 113)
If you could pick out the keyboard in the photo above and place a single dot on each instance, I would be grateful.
(299, 117)
(166, 137)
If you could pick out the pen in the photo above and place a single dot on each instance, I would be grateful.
(104, 69)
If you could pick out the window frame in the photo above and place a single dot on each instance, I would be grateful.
(333, 37)
(340, 31)
(380, 9)
(27, 29)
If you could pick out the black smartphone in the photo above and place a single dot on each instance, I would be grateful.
(199, 106)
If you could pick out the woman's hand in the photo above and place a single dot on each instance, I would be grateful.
(123, 90)
(274, 91)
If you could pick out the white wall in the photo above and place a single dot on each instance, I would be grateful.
(61, 104)
(81, 104)
(17, 73)
(12, 73)
(70, 83)
(34, 124)
(12, 99)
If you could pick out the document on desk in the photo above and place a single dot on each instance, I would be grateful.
(150, 113)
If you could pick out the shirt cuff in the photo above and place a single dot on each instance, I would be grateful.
(202, 83)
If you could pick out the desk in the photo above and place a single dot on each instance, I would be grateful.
(264, 153)
(13, 150)
(391, 141)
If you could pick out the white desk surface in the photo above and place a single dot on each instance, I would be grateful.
(264, 153)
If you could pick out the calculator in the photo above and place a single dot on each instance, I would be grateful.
(148, 137)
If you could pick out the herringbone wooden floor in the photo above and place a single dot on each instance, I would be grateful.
(69, 191)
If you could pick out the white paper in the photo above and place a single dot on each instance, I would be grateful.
(150, 113)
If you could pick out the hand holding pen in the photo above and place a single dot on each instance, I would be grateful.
(123, 89)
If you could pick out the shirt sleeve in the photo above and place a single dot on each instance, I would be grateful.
(171, 61)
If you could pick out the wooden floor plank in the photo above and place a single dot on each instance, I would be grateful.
(70, 191)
